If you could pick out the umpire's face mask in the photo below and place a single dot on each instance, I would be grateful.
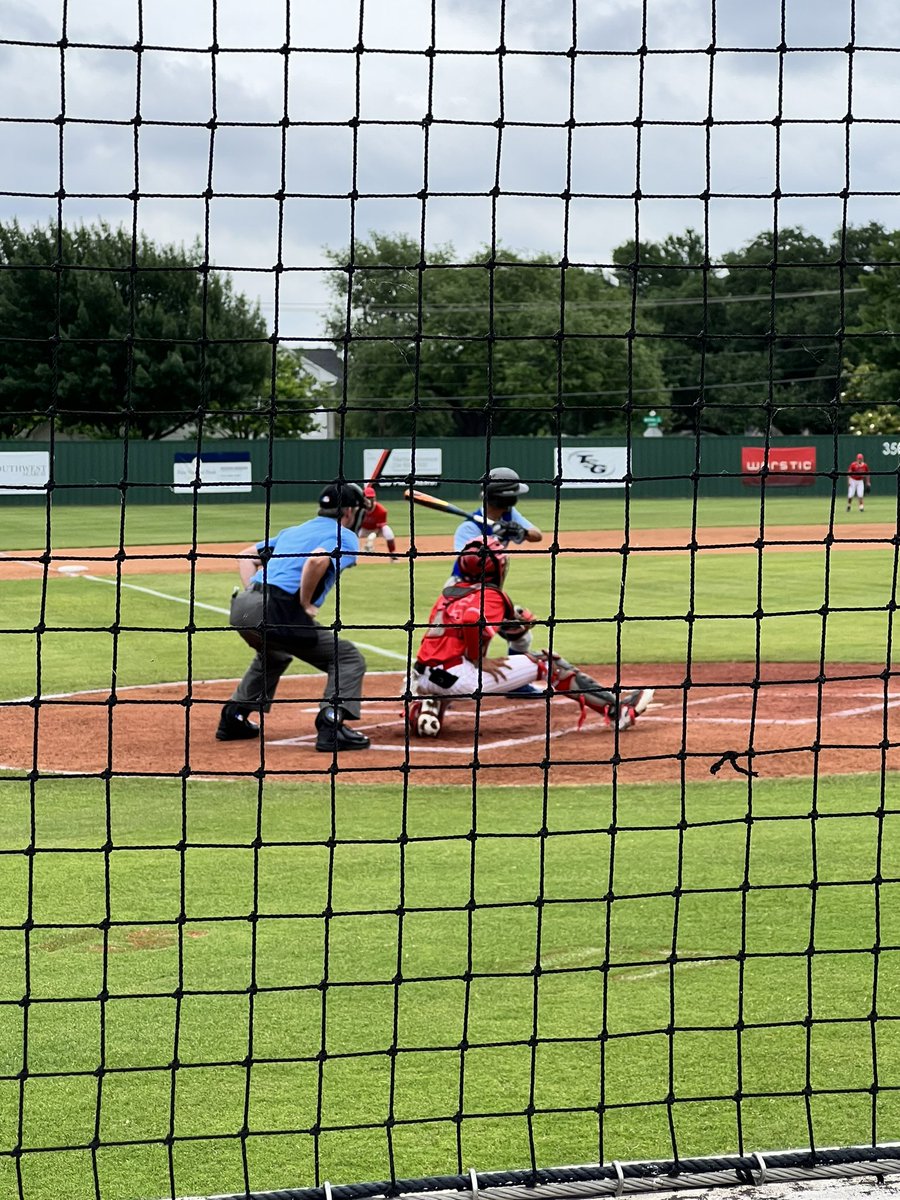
(356, 522)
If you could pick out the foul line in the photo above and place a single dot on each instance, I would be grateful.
(136, 587)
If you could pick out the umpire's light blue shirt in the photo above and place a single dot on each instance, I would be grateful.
(292, 547)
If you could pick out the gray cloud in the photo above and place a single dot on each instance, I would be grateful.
(177, 97)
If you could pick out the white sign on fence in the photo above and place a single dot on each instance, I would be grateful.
(227, 471)
(591, 466)
(24, 472)
(399, 467)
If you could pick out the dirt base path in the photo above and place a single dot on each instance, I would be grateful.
(705, 729)
(219, 556)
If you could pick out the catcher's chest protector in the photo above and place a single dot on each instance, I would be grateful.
(454, 601)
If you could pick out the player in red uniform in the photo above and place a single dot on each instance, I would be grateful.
(453, 660)
(858, 482)
(375, 522)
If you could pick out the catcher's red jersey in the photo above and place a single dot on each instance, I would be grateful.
(375, 517)
(455, 622)
(857, 469)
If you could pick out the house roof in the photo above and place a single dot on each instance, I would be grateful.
(325, 359)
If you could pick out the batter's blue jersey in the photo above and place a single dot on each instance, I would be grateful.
(475, 530)
(292, 547)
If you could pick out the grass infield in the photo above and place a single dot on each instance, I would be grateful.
(723, 604)
(219, 953)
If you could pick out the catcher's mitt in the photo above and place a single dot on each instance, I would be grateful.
(518, 626)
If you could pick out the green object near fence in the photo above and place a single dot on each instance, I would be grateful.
(102, 472)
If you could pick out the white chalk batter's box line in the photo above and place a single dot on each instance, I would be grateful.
(488, 712)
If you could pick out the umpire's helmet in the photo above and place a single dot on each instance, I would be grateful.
(340, 495)
(483, 561)
(503, 487)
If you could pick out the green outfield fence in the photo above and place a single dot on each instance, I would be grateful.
(94, 472)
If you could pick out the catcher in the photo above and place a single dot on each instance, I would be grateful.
(453, 660)
(374, 522)
(858, 482)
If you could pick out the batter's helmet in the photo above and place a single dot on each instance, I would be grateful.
(340, 495)
(483, 561)
(503, 487)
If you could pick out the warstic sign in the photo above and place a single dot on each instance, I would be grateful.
(794, 466)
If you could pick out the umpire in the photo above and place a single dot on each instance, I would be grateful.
(286, 579)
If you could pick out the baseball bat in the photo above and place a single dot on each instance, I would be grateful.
(379, 467)
(438, 505)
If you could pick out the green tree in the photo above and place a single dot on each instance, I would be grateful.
(505, 345)
(105, 334)
(755, 341)
(283, 409)
(872, 386)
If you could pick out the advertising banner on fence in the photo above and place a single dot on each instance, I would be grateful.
(398, 470)
(591, 466)
(794, 466)
(220, 471)
(24, 472)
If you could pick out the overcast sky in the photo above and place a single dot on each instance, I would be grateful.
(751, 84)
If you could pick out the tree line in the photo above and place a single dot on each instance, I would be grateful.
(788, 335)
(106, 334)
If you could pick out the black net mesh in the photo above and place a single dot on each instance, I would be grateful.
(640, 255)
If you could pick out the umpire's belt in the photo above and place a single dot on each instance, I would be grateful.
(278, 592)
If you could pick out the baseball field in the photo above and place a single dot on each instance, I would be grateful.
(226, 967)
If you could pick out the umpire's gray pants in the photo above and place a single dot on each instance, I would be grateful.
(339, 659)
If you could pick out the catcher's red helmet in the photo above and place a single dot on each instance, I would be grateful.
(483, 561)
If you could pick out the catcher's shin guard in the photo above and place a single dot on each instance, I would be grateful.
(567, 680)
(426, 717)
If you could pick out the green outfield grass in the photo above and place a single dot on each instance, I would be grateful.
(25, 527)
(614, 902)
(624, 886)
(660, 591)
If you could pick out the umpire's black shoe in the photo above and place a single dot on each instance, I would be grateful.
(334, 734)
(235, 726)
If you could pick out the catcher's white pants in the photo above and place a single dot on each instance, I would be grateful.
(518, 671)
(856, 487)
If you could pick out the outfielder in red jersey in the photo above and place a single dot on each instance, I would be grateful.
(375, 522)
(453, 661)
(858, 482)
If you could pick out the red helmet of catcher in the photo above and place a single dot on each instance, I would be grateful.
(483, 561)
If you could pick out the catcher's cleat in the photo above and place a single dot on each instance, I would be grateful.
(632, 705)
(426, 717)
(333, 734)
(234, 725)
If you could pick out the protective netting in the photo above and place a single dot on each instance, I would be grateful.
(639, 257)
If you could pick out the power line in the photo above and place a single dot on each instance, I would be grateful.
(578, 305)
